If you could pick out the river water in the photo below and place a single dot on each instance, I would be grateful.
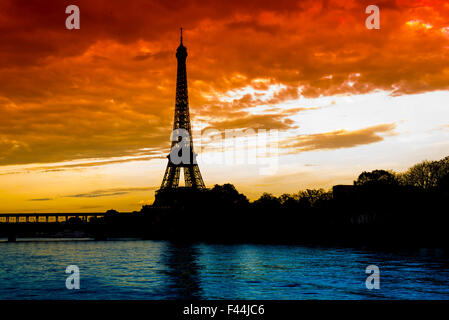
(134, 269)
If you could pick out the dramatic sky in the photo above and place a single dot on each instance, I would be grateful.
(86, 115)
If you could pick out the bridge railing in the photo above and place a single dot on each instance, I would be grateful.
(47, 217)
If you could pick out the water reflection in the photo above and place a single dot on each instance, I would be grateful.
(181, 265)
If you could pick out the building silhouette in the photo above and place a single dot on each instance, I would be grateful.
(182, 141)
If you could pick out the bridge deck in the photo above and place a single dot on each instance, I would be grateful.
(45, 217)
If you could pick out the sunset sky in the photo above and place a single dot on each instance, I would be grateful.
(86, 115)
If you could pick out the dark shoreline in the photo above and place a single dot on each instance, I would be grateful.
(362, 241)
(378, 212)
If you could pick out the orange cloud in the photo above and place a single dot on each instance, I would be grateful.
(107, 90)
(339, 139)
(110, 192)
(259, 121)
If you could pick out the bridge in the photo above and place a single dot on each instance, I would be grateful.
(46, 217)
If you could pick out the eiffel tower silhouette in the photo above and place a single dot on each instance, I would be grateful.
(182, 154)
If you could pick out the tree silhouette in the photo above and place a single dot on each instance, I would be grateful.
(376, 178)
(267, 202)
(443, 183)
(227, 195)
(427, 174)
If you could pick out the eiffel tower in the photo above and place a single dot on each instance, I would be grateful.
(182, 130)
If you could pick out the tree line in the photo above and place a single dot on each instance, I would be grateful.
(384, 207)
(381, 207)
(424, 176)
